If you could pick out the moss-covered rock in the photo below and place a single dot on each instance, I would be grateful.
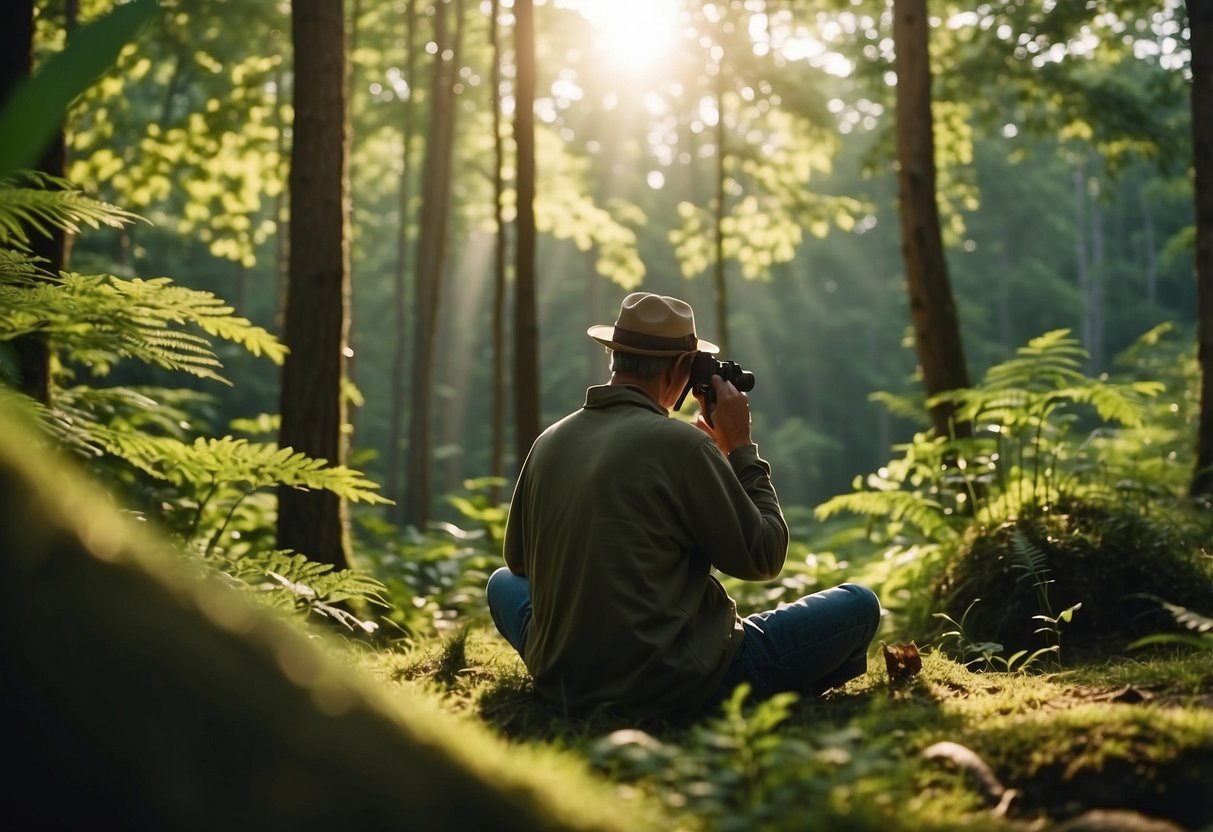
(1153, 760)
(137, 697)
(1107, 559)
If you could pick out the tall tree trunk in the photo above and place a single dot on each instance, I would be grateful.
(351, 84)
(1095, 300)
(1149, 253)
(282, 241)
(497, 457)
(722, 296)
(400, 354)
(1082, 256)
(16, 62)
(526, 322)
(932, 307)
(317, 317)
(282, 208)
(1200, 21)
(430, 259)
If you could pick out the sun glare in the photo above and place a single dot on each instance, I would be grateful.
(634, 35)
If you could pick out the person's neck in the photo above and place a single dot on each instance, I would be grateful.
(652, 387)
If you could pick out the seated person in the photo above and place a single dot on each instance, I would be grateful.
(617, 519)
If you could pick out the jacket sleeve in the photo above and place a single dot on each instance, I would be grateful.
(734, 513)
(514, 545)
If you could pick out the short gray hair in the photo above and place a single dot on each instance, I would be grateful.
(641, 366)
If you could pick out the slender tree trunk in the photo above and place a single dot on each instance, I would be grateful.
(526, 322)
(1149, 254)
(497, 459)
(430, 260)
(722, 291)
(1200, 20)
(282, 242)
(16, 62)
(1095, 301)
(351, 83)
(1082, 258)
(400, 355)
(1002, 299)
(317, 318)
(932, 307)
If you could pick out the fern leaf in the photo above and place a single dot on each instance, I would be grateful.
(922, 512)
(1124, 404)
(44, 203)
(1030, 559)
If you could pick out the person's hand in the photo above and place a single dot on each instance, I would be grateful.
(730, 415)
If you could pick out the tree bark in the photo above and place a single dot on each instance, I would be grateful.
(430, 260)
(722, 296)
(16, 62)
(932, 307)
(1200, 21)
(282, 241)
(400, 355)
(526, 322)
(317, 318)
(1082, 260)
(497, 458)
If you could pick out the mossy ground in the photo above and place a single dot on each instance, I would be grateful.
(1117, 563)
(1132, 733)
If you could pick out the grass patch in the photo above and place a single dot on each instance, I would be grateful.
(1132, 733)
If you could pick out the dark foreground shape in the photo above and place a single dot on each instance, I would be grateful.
(136, 697)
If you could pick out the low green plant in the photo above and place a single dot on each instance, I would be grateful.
(1023, 455)
(290, 583)
(743, 770)
(1199, 629)
(1032, 565)
(969, 652)
(436, 577)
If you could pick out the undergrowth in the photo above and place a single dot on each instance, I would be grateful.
(858, 758)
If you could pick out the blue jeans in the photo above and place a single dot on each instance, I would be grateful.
(807, 646)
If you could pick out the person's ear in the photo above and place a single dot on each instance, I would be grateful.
(683, 364)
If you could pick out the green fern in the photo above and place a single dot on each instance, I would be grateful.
(234, 462)
(289, 582)
(1020, 457)
(1031, 562)
(41, 203)
(1199, 627)
(923, 512)
(99, 320)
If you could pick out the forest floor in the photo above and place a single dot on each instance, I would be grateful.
(1123, 743)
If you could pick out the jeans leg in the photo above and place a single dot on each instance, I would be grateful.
(809, 645)
(509, 599)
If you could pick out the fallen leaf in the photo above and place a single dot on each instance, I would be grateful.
(901, 660)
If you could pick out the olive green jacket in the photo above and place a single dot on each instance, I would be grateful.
(618, 516)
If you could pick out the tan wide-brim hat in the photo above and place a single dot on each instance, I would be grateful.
(650, 324)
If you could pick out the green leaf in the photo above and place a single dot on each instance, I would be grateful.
(34, 111)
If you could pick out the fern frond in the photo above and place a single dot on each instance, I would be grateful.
(230, 461)
(20, 269)
(43, 204)
(1048, 361)
(1029, 558)
(922, 512)
(288, 581)
(1127, 404)
(98, 320)
(909, 407)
